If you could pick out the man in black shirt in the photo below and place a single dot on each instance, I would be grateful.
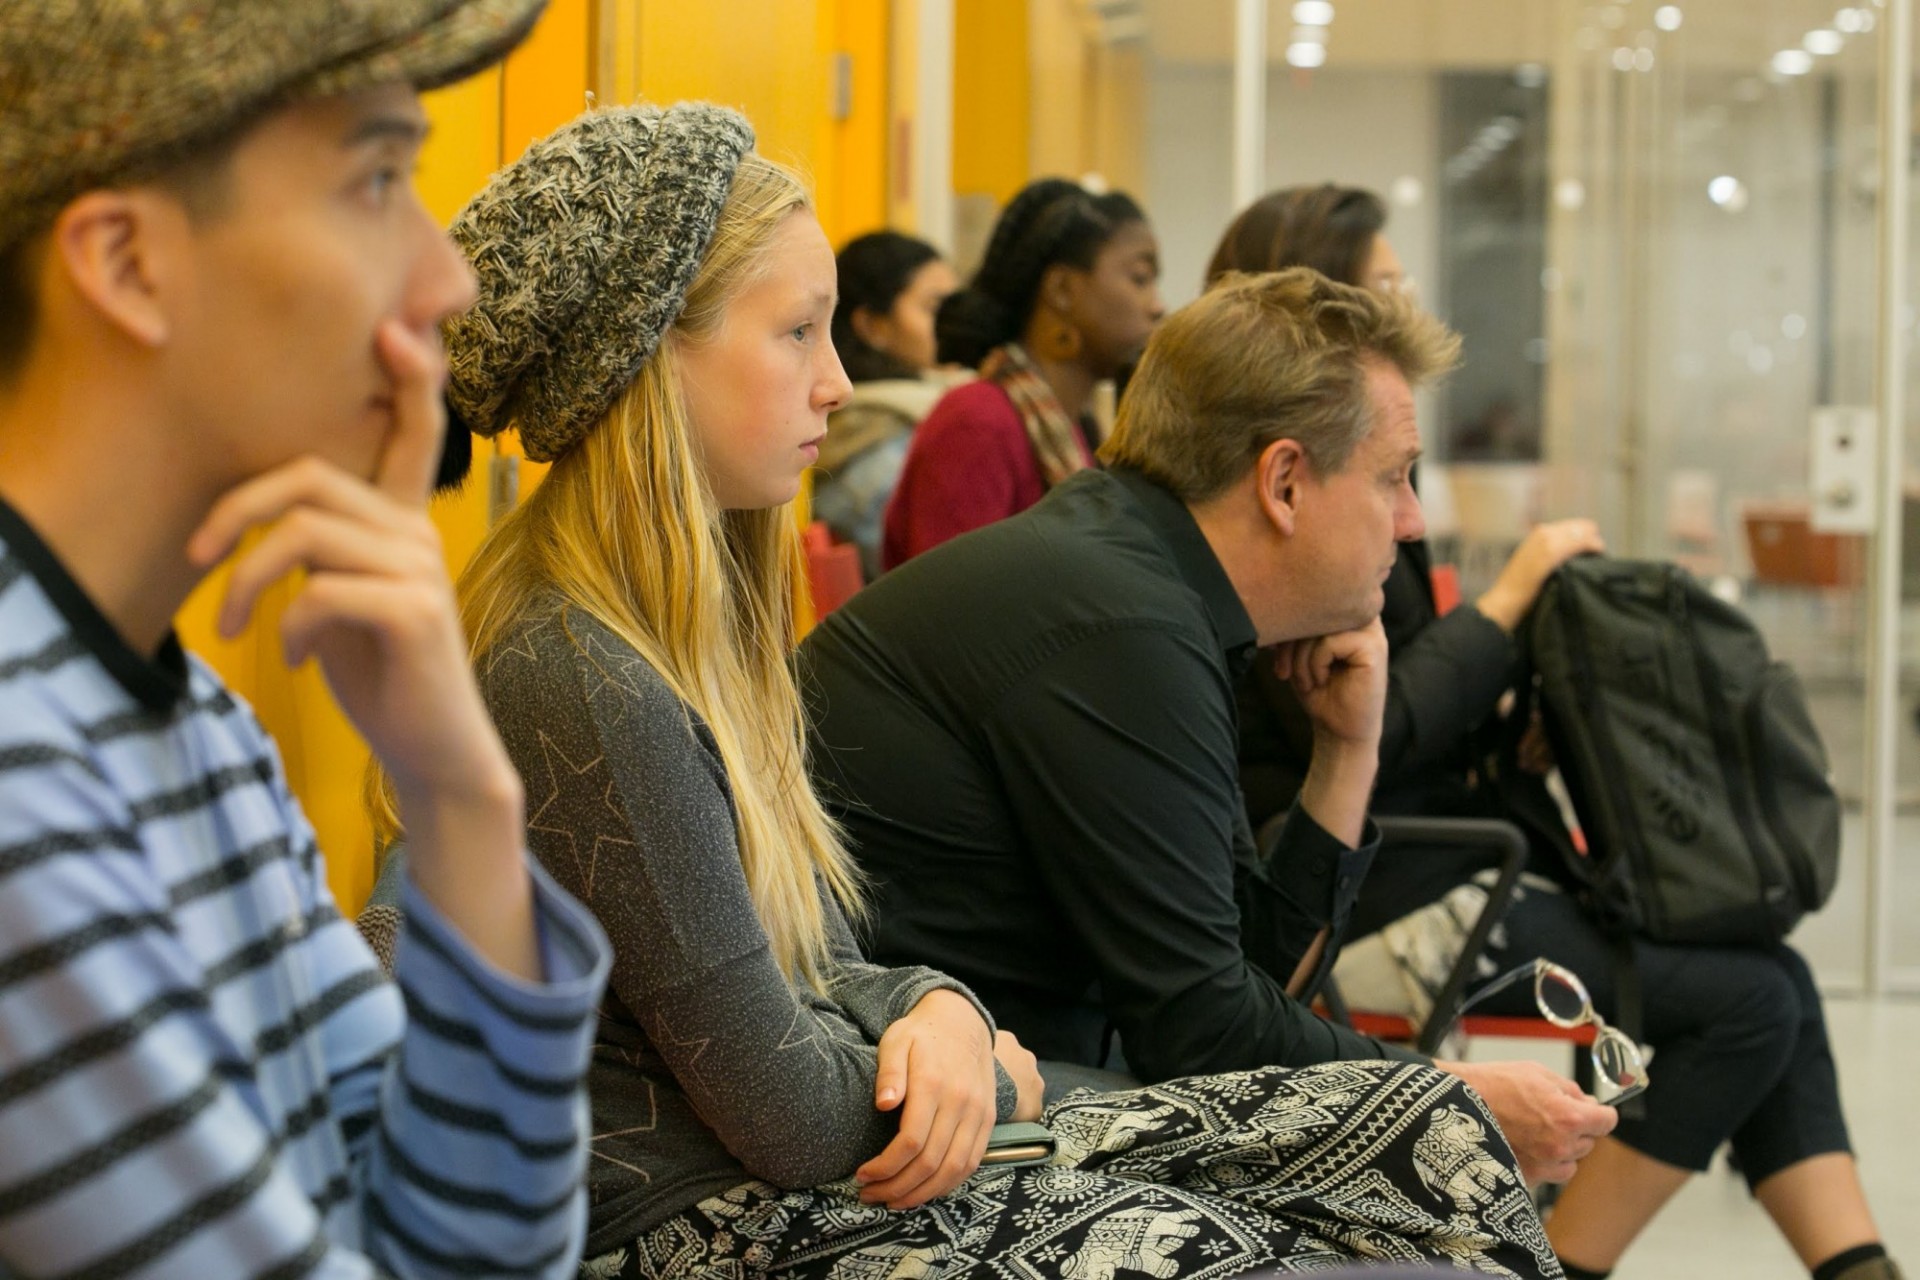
(1029, 732)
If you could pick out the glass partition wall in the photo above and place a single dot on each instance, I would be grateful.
(1658, 228)
(1712, 296)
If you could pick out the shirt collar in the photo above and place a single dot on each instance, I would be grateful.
(157, 683)
(1196, 564)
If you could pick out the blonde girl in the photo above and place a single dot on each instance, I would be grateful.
(654, 317)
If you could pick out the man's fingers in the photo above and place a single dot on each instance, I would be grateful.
(309, 482)
(310, 539)
(1283, 661)
(390, 607)
(1326, 654)
(412, 453)
(1560, 1172)
(1600, 1119)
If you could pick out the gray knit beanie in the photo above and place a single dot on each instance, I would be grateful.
(585, 248)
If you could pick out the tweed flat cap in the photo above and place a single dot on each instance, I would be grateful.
(585, 248)
(98, 91)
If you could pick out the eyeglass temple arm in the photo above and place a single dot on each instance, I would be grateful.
(1494, 835)
(1519, 973)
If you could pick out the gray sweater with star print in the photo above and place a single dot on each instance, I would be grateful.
(710, 1069)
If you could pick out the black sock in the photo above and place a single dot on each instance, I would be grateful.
(1838, 1265)
(1581, 1273)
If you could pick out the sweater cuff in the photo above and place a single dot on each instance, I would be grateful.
(1006, 1094)
(910, 994)
(575, 956)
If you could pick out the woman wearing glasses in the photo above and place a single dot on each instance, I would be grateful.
(1741, 1044)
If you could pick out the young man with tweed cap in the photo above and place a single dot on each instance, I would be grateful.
(219, 311)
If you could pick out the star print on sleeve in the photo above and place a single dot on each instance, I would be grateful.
(588, 830)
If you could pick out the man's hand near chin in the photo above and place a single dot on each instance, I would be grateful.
(1550, 1124)
(1341, 681)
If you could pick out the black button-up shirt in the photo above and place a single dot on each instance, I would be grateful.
(1029, 733)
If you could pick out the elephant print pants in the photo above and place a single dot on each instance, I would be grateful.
(1279, 1170)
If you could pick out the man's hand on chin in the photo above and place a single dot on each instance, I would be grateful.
(1341, 681)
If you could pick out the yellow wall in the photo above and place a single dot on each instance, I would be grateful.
(992, 98)
(851, 173)
(760, 56)
(1037, 92)
(776, 69)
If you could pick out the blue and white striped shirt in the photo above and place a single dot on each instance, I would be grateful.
(202, 1071)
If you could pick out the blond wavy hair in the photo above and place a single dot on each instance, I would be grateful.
(625, 528)
(1265, 357)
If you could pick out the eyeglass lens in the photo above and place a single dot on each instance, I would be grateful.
(1621, 1068)
(1561, 997)
(1564, 1000)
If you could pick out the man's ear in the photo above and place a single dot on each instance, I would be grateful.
(1279, 474)
(112, 247)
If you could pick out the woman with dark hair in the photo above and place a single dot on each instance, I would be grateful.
(1065, 298)
(764, 1101)
(1335, 230)
(891, 285)
(1742, 1050)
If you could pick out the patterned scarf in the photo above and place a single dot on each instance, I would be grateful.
(1057, 441)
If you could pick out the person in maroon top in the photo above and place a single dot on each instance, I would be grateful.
(1065, 298)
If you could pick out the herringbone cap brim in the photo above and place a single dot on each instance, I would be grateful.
(584, 249)
(94, 92)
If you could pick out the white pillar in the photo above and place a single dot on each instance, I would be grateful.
(933, 154)
(1249, 102)
(1884, 713)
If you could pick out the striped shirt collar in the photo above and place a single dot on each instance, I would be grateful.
(158, 682)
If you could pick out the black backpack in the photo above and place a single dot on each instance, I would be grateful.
(1700, 781)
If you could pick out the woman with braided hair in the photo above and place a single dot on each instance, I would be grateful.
(1065, 299)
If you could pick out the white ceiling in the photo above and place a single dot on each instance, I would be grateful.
(1464, 34)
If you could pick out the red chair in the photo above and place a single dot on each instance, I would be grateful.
(833, 569)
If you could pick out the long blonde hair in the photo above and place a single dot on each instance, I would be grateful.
(626, 529)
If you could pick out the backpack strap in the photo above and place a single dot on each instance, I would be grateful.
(1627, 1010)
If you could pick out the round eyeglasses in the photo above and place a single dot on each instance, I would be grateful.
(1619, 1065)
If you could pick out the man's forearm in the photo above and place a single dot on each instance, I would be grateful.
(1309, 962)
(1338, 786)
(465, 854)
